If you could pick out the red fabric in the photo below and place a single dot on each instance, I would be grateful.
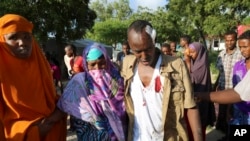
(78, 64)
(157, 84)
(242, 28)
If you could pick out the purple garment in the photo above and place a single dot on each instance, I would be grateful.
(201, 80)
(239, 71)
(200, 72)
(94, 94)
(56, 71)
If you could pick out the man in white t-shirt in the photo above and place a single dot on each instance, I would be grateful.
(241, 92)
(158, 91)
(69, 57)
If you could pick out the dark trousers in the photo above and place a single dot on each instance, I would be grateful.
(222, 119)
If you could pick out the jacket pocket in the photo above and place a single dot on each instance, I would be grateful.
(177, 87)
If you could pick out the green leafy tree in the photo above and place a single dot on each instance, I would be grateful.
(63, 19)
(166, 30)
(190, 15)
(112, 21)
(200, 18)
(109, 32)
(105, 10)
(225, 15)
(246, 21)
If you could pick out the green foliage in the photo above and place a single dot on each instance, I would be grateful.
(212, 59)
(64, 19)
(162, 20)
(105, 10)
(200, 18)
(109, 32)
(112, 21)
(246, 21)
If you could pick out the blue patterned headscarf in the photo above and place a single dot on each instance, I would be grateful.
(95, 49)
(101, 99)
(94, 54)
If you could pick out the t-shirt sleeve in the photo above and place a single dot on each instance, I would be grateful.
(243, 89)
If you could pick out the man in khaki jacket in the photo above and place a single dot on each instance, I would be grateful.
(157, 90)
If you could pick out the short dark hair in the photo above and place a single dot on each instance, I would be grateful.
(186, 38)
(126, 43)
(139, 25)
(165, 45)
(231, 32)
(73, 47)
(172, 42)
(245, 35)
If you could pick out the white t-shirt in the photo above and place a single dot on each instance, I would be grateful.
(67, 60)
(243, 88)
(148, 125)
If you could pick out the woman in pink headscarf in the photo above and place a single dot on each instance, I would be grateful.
(95, 98)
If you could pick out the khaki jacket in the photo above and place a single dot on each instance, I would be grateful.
(177, 95)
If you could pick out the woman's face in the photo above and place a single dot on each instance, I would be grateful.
(97, 64)
(193, 53)
(19, 43)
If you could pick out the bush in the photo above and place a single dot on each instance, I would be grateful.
(212, 59)
(212, 56)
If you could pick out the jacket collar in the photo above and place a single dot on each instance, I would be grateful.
(165, 68)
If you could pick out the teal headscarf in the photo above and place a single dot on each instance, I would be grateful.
(94, 54)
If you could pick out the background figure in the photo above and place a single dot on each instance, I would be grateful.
(165, 49)
(77, 65)
(201, 81)
(173, 48)
(56, 72)
(241, 110)
(185, 40)
(28, 97)
(125, 51)
(225, 62)
(95, 98)
(157, 90)
(70, 52)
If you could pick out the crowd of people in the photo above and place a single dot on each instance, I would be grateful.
(147, 94)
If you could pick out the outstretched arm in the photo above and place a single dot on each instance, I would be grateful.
(228, 96)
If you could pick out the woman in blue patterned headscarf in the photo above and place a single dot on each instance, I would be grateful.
(95, 97)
